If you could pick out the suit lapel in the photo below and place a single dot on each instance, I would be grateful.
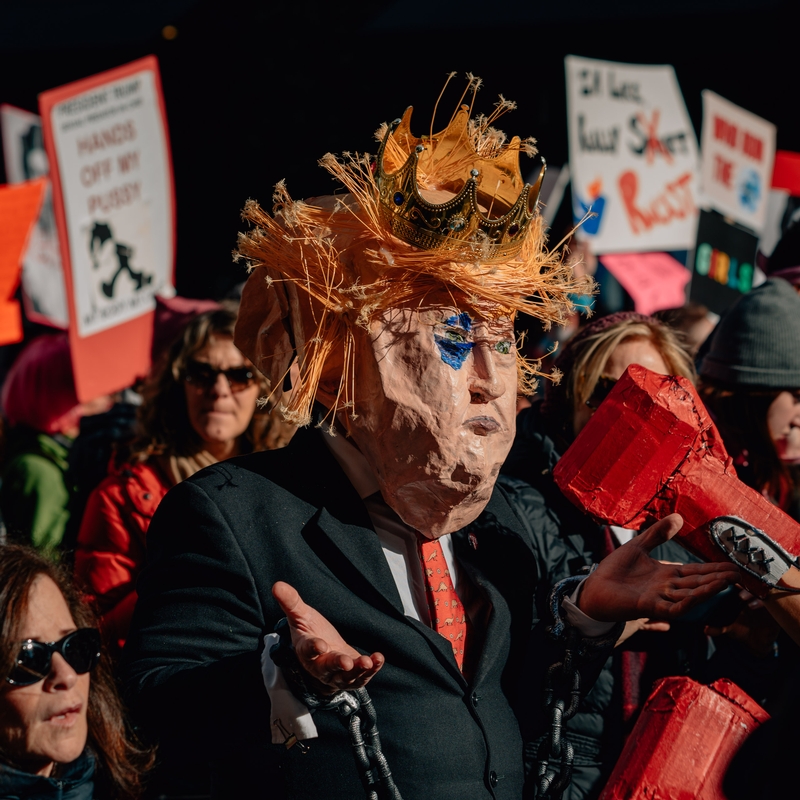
(496, 555)
(497, 619)
(362, 548)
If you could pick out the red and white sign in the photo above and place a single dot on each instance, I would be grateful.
(19, 208)
(738, 153)
(43, 290)
(633, 157)
(106, 138)
(783, 201)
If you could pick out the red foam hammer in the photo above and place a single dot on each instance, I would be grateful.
(651, 449)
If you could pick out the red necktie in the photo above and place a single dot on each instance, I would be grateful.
(447, 613)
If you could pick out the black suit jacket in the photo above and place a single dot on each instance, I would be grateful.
(216, 546)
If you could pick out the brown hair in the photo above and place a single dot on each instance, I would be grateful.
(121, 759)
(585, 357)
(163, 423)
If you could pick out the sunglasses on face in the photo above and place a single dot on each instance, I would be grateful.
(80, 649)
(602, 389)
(204, 376)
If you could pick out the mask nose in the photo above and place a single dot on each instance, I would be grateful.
(485, 384)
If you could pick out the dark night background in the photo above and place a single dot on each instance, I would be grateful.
(257, 91)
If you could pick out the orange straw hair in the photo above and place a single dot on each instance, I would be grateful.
(336, 253)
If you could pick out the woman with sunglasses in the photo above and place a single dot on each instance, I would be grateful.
(199, 407)
(62, 732)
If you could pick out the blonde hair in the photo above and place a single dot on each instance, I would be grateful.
(593, 352)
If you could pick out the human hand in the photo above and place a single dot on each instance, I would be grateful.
(329, 661)
(644, 624)
(628, 584)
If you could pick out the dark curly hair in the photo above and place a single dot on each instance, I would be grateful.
(121, 760)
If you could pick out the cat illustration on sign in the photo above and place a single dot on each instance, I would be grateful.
(105, 249)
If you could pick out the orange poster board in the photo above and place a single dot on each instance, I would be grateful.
(19, 210)
(107, 142)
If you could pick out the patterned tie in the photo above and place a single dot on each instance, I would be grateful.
(447, 613)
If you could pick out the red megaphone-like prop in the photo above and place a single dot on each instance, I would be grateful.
(651, 449)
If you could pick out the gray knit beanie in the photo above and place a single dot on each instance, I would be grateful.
(757, 343)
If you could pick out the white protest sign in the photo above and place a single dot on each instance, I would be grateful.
(633, 156)
(43, 288)
(115, 176)
(738, 154)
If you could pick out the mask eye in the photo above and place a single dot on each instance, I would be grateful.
(455, 335)
(503, 347)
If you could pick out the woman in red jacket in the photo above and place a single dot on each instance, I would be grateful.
(199, 407)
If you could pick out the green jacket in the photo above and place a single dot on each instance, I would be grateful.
(34, 497)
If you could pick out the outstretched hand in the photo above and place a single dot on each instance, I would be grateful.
(329, 661)
(628, 584)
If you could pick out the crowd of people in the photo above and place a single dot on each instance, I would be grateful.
(155, 538)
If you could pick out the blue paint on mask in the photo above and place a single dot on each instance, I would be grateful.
(454, 353)
(462, 320)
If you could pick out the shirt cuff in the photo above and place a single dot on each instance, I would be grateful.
(586, 626)
(287, 714)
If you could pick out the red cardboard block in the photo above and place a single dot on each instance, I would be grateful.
(651, 449)
(684, 741)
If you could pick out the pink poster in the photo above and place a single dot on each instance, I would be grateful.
(654, 280)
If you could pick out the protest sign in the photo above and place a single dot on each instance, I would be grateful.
(633, 156)
(106, 138)
(43, 290)
(653, 280)
(783, 202)
(738, 150)
(19, 209)
(723, 262)
(552, 192)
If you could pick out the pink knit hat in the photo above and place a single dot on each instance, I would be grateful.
(39, 390)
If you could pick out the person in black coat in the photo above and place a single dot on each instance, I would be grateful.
(567, 541)
(409, 349)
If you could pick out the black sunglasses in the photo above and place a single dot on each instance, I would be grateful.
(602, 389)
(204, 376)
(80, 649)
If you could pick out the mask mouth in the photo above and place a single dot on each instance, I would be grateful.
(483, 426)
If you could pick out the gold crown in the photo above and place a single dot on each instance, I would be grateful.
(491, 209)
